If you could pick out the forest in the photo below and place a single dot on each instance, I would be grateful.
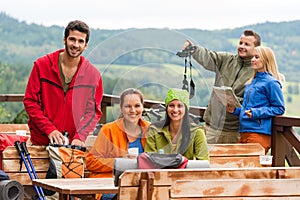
(141, 58)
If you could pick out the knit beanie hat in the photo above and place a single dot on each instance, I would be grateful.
(178, 94)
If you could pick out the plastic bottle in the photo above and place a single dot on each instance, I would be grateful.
(161, 151)
(66, 135)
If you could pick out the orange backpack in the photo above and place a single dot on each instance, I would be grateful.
(66, 161)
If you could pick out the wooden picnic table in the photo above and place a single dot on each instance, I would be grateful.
(84, 188)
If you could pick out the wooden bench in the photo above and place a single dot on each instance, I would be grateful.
(40, 160)
(38, 154)
(11, 163)
(221, 155)
(210, 183)
(236, 189)
(224, 155)
(235, 155)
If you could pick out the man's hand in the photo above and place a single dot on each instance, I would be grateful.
(188, 49)
(186, 44)
(56, 137)
(78, 142)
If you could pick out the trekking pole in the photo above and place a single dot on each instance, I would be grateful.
(27, 154)
(38, 190)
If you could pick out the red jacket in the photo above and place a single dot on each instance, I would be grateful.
(76, 111)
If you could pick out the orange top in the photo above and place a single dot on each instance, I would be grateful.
(110, 143)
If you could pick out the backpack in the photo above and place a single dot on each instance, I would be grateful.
(66, 161)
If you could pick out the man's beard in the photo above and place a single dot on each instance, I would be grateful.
(72, 55)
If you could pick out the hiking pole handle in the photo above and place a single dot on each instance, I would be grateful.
(21, 152)
(18, 147)
(25, 150)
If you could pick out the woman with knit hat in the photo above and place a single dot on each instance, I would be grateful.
(177, 133)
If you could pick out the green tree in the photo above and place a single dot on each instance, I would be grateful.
(4, 114)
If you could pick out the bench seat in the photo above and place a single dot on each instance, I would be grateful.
(185, 184)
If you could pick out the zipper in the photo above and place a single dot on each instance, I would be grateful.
(259, 122)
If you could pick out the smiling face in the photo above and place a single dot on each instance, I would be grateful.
(256, 62)
(246, 47)
(176, 110)
(75, 43)
(132, 108)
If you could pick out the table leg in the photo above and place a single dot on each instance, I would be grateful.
(64, 196)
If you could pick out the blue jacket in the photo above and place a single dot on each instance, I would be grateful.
(263, 96)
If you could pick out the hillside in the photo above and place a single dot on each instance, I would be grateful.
(142, 58)
(23, 43)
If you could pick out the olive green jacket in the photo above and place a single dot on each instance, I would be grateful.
(230, 70)
(160, 138)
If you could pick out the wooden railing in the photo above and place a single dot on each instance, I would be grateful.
(285, 141)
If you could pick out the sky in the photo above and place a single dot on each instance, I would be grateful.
(173, 14)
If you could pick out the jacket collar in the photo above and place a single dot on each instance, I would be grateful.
(82, 65)
(261, 74)
(245, 62)
(144, 125)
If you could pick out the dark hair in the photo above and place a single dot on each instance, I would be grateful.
(255, 35)
(185, 129)
(78, 26)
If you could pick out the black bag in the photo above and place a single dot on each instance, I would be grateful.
(161, 161)
(3, 176)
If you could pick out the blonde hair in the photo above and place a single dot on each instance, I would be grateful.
(268, 60)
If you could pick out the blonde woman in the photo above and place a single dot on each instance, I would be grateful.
(263, 99)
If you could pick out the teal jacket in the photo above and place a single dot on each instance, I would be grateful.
(230, 70)
(160, 138)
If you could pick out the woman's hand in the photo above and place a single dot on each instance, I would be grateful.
(249, 113)
(230, 108)
(78, 142)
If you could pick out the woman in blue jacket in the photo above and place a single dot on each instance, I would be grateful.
(263, 99)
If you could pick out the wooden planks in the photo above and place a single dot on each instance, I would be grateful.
(235, 188)
(235, 155)
(229, 150)
(12, 128)
(39, 157)
(224, 155)
(78, 187)
(11, 163)
(163, 179)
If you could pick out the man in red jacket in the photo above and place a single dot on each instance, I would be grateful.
(64, 92)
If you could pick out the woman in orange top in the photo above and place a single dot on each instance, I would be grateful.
(115, 138)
